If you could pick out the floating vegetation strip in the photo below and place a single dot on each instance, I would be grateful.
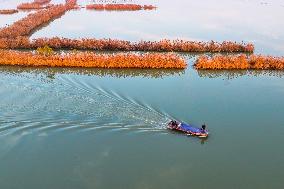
(36, 4)
(15, 43)
(8, 11)
(120, 7)
(42, 1)
(90, 59)
(240, 62)
(27, 25)
(114, 45)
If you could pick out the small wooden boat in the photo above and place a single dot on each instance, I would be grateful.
(188, 129)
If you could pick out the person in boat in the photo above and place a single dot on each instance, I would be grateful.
(174, 124)
(203, 128)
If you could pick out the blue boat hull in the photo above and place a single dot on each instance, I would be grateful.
(188, 129)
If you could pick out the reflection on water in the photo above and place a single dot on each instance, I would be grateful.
(51, 73)
(233, 74)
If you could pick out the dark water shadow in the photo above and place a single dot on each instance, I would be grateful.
(233, 74)
(50, 73)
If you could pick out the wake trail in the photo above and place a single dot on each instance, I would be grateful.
(66, 102)
(124, 109)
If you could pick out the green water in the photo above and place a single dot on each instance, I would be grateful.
(77, 128)
(73, 128)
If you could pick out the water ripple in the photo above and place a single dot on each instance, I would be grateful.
(67, 103)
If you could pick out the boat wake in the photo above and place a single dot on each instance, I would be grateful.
(67, 103)
(117, 108)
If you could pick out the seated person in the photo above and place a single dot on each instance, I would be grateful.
(203, 128)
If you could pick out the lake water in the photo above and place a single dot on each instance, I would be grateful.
(97, 128)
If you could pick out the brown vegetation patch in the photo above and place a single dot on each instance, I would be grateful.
(240, 62)
(27, 25)
(36, 4)
(112, 44)
(15, 43)
(42, 1)
(120, 7)
(8, 11)
(90, 59)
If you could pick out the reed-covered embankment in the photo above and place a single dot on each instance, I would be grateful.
(123, 45)
(91, 59)
(240, 62)
(25, 26)
(8, 11)
(120, 7)
(36, 4)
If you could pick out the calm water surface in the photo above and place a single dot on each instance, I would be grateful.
(96, 128)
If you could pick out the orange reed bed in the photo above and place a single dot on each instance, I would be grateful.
(240, 62)
(120, 7)
(32, 6)
(27, 25)
(36, 4)
(8, 11)
(113, 44)
(42, 1)
(90, 59)
(15, 43)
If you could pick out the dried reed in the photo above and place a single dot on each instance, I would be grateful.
(15, 43)
(113, 44)
(42, 1)
(36, 4)
(27, 25)
(240, 62)
(120, 7)
(8, 11)
(90, 59)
